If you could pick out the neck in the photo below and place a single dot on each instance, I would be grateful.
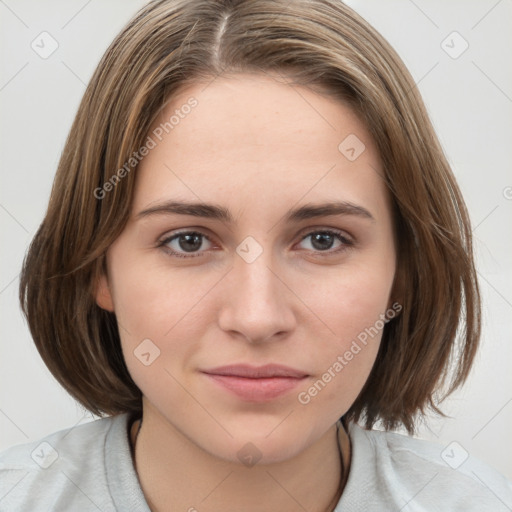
(176, 474)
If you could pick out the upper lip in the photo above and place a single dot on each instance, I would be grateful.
(256, 372)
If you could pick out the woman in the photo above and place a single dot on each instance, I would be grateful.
(254, 241)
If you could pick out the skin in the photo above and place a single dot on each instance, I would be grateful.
(259, 147)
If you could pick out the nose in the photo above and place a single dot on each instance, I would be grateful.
(257, 304)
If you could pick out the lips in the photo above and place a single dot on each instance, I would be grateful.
(256, 384)
(256, 372)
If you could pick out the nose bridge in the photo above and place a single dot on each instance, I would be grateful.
(256, 304)
(256, 280)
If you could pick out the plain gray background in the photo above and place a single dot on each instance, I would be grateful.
(468, 92)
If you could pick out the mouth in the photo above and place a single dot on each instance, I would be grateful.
(256, 384)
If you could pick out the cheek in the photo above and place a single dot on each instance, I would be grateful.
(353, 309)
(151, 299)
(348, 300)
(344, 362)
(162, 316)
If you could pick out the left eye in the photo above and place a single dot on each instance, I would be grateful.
(191, 241)
(322, 241)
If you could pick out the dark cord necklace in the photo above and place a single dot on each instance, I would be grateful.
(332, 505)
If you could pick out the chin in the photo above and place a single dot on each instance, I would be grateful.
(258, 452)
(264, 441)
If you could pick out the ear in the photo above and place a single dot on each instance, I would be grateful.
(398, 289)
(103, 294)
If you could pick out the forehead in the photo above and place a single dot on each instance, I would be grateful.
(257, 139)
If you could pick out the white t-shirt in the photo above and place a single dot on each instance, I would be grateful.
(90, 468)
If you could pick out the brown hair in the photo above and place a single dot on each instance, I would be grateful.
(321, 44)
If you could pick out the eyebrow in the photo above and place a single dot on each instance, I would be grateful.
(218, 212)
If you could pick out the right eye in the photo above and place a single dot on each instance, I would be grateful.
(186, 244)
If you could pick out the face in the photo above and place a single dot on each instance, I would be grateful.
(207, 298)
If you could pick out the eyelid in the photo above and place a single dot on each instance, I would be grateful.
(323, 229)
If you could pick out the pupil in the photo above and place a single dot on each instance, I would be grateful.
(322, 237)
(193, 241)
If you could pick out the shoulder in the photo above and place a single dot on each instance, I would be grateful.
(414, 474)
(64, 470)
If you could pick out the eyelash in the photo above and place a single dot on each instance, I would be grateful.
(346, 243)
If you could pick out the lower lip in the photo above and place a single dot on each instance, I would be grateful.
(257, 390)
